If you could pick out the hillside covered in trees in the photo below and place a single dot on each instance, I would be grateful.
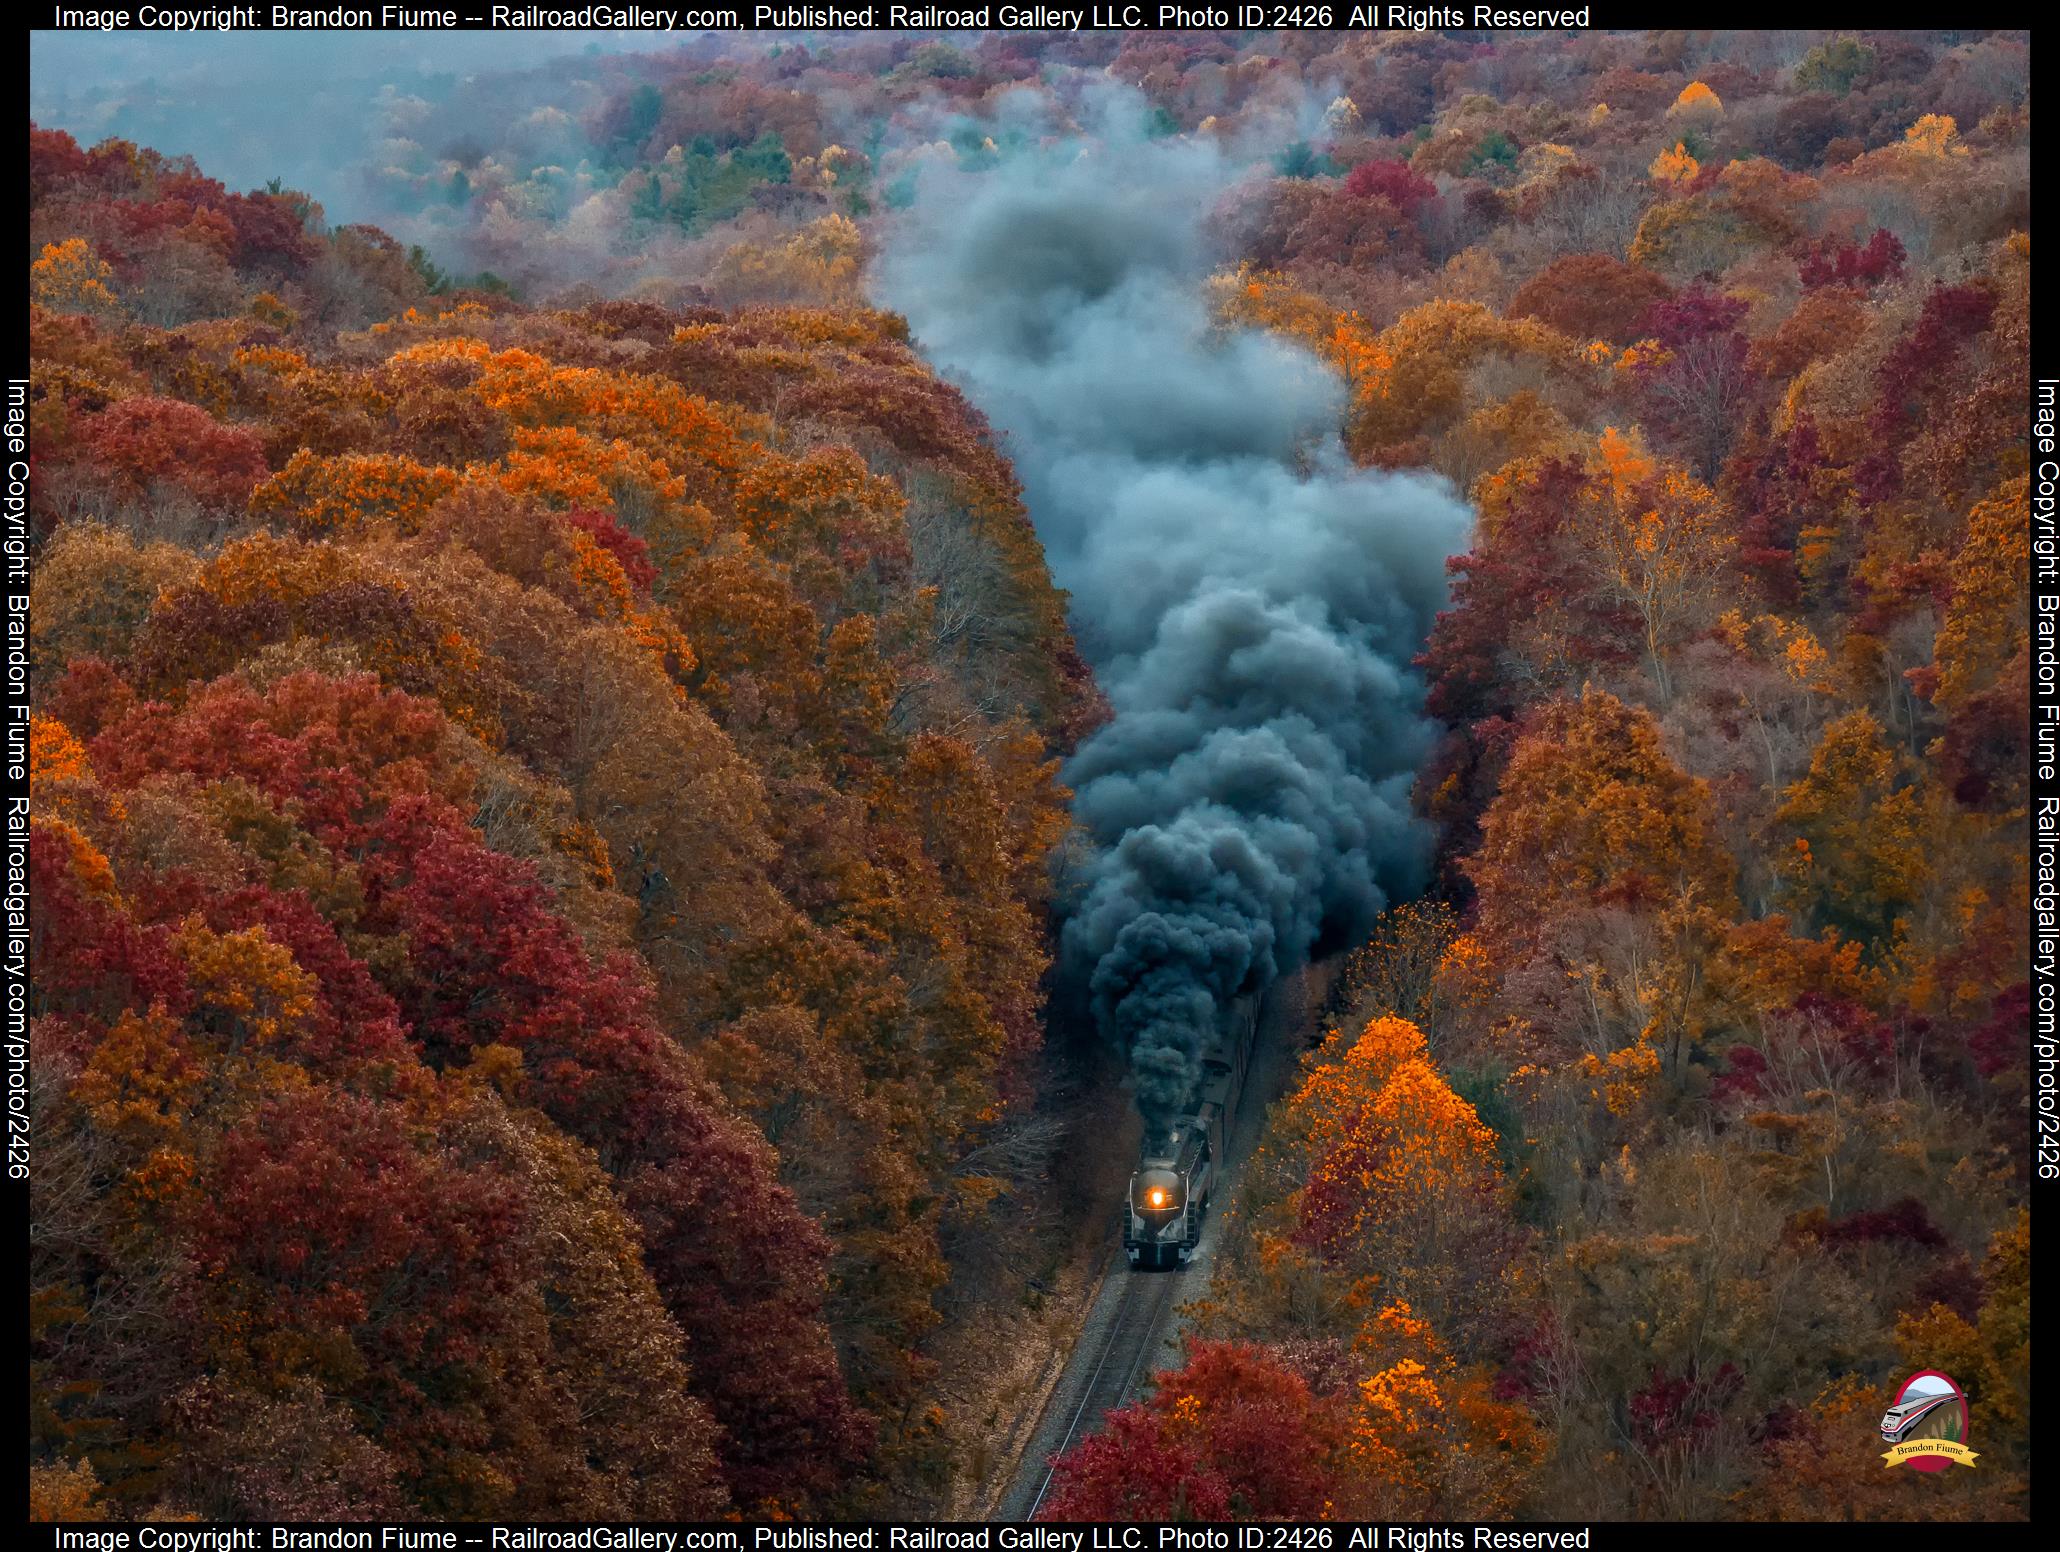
(547, 765)
(542, 820)
(1687, 1118)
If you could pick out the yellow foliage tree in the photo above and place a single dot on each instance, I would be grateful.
(819, 265)
(1404, 1185)
(1697, 100)
(64, 1492)
(1675, 166)
(318, 497)
(1663, 537)
(1428, 1438)
(1934, 135)
(1984, 624)
(71, 278)
(1857, 860)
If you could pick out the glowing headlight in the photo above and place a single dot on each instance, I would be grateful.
(1158, 1197)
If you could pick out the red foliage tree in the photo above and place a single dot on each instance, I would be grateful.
(1131, 1471)
(143, 443)
(1843, 262)
(737, 1264)
(55, 159)
(630, 552)
(1396, 182)
(331, 1230)
(1231, 1434)
(1696, 389)
(1591, 296)
(1534, 567)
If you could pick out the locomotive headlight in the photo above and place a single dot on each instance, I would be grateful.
(1158, 1197)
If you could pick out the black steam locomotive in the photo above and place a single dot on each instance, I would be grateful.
(1170, 1189)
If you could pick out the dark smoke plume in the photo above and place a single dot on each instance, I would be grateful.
(1250, 601)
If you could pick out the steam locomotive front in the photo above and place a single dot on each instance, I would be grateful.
(1158, 1213)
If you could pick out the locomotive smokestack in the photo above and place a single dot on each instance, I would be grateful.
(1250, 601)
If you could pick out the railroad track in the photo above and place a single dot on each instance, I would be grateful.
(1126, 1349)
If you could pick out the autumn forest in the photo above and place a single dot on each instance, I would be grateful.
(575, 705)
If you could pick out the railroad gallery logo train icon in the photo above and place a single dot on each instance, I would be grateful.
(1926, 1425)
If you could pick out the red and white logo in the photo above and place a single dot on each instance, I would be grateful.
(1925, 1427)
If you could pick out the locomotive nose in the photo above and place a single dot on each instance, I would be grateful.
(1155, 1191)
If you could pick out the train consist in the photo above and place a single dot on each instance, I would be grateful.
(1170, 1189)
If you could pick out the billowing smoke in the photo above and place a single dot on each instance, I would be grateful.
(1250, 601)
